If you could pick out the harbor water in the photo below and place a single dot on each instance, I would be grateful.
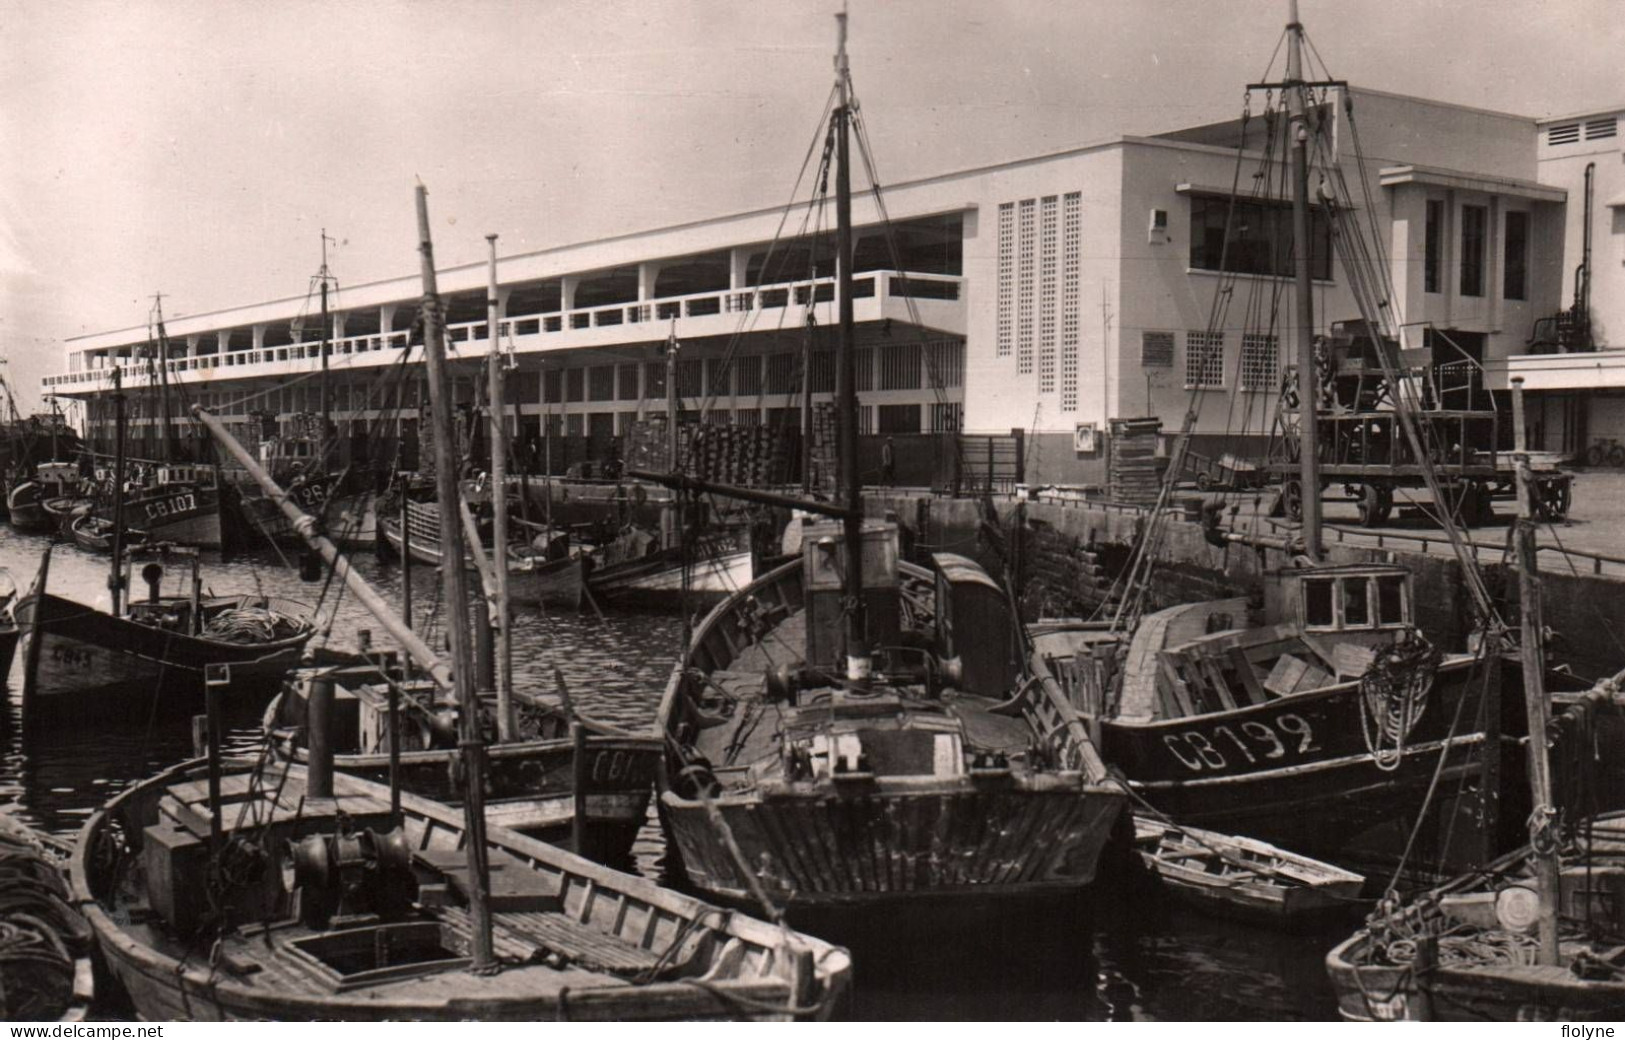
(1118, 955)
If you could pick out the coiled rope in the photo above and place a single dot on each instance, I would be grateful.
(1393, 696)
(40, 935)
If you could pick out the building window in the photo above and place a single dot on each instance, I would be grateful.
(718, 377)
(945, 363)
(1204, 359)
(947, 417)
(783, 376)
(601, 383)
(553, 385)
(1433, 253)
(1007, 277)
(863, 369)
(823, 372)
(1260, 238)
(575, 382)
(1156, 350)
(900, 366)
(689, 374)
(899, 418)
(628, 388)
(1024, 285)
(1260, 361)
(749, 376)
(1515, 278)
(654, 380)
(1474, 228)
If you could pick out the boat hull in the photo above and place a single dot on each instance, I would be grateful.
(1297, 772)
(27, 505)
(530, 787)
(845, 851)
(185, 516)
(657, 582)
(749, 968)
(83, 664)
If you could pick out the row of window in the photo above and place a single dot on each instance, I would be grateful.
(885, 418)
(1474, 253)
(1205, 358)
(895, 366)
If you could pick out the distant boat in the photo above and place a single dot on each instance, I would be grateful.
(535, 575)
(350, 913)
(1242, 878)
(82, 663)
(27, 498)
(531, 786)
(95, 534)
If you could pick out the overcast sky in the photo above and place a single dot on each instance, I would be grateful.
(198, 146)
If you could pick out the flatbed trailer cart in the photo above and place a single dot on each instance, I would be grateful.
(1364, 448)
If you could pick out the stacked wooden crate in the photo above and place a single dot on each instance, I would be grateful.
(1133, 471)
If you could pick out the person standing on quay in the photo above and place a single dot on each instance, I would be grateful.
(888, 463)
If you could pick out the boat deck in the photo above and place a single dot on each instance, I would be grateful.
(551, 942)
(745, 747)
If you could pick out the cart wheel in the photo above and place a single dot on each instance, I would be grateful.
(1204, 482)
(1371, 511)
(1292, 500)
(1385, 505)
(1552, 499)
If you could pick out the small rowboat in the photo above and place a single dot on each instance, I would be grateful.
(1243, 878)
(95, 534)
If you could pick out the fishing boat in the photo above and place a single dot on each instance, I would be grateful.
(95, 534)
(46, 973)
(140, 656)
(65, 509)
(554, 575)
(83, 661)
(830, 747)
(27, 499)
(175, 502)
(1470, 950)
(329, 906)
(1242, 878)
(706, 574)
(536, 785)
(1319, 717)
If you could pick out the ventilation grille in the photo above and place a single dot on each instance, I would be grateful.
(1046, 294)
(1204, 359)
(1007, 277)
(1157, 350)
(1596, 128)
(1568, 133)
(1026, 257)
(1071, 270)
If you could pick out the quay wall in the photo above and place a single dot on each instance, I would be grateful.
(1585, 613)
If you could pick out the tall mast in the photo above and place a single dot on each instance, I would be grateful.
(1308, 439)
(161, 348)
(115, 577)
(857, 647)
(455, 577)
(1531, 650)
(327, 415)
(499, 502)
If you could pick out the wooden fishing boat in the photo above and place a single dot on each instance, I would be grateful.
(1468, 950)
(84, 662)
(65, 509)
(339, 910)
(180, 504)
(45, 960)
(535, 575)
(923, 784)
(1318, 727)
(93, 533)
(1243, 878)
(27, 499)
(658, 580)
(535, 786)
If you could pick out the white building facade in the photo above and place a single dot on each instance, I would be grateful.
(1048, 294)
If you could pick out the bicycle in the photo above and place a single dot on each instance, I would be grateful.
(1606, 451)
